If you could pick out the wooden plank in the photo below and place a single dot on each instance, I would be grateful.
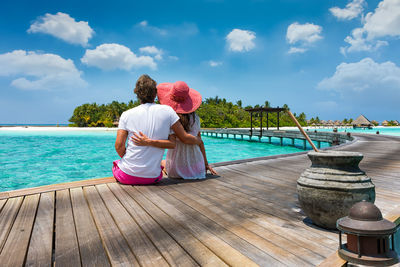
(54, 187)
(7, 216)
(90, 245)
(168, 247)
(140, 244)
(116, 246)
(2, 203)
(233, 250)
(269, 243)
(279, 236)
(333, 261)
(66, 242)
(200, 253)
(15, 248)
(41, 243)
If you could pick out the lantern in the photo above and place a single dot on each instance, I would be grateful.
(367, 236)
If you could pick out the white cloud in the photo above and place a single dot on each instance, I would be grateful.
(213, 63)
(358, 42)
(116, 56)
(35, 71)
(352, 10)
(294, 50)
(364, 76)
(241, 40)
(64, 27)
(303, 35)
(383, 22)
(152, 50)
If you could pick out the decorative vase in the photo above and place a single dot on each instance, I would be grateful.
(332, 185)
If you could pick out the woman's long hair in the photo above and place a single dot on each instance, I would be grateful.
(185, 120)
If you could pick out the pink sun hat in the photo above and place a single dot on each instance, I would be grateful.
(179, 96)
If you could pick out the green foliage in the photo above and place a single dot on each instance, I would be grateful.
(93, 115)
(214, 112)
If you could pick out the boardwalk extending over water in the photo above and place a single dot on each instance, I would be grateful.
(247, 216)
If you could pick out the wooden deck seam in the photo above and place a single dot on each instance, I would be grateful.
(227, 231)
(156, 220)
(132, 219)
(234, 225)
(2, 243)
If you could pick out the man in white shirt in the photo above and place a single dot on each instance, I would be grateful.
(141, 164)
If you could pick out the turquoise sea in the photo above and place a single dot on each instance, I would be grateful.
(35, 158)
(42, 157)
(394, 131)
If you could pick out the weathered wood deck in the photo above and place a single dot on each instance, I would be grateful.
(247, 216)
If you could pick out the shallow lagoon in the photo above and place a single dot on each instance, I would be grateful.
(31, 158)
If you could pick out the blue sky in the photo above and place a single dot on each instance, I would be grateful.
(335, 59)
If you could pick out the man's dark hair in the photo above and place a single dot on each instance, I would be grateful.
(146, 89)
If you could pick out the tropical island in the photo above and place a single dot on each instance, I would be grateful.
(214, 113)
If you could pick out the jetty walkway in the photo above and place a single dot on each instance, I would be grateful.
(247, 216)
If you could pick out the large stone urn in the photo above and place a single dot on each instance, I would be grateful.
(332, 185)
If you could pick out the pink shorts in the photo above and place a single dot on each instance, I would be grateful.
(124, 178)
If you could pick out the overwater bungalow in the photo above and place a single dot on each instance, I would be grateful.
(385, 123)
(362, 122)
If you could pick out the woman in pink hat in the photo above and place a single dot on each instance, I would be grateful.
(184, 161)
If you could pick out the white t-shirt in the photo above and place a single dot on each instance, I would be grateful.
(154, 121)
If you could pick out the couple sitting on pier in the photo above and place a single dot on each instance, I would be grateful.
(150, 128)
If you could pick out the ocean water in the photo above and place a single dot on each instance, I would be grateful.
(394, 131)
(35, 158)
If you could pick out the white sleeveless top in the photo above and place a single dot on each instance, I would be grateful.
(186, 161)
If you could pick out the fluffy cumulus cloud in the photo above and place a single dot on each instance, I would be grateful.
(352, 10)
(35, 71)
(64, 27)
(241, 40)
(384, 22)
(152, 50)
(301, 36)
(116, 56)
(365, 76)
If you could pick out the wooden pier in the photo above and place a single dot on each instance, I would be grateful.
(256, 135)
(247, 216)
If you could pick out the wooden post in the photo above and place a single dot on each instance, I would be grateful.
(261, 124)
(281, 140)
(251, 124)
(278, 119)
(301, 130)
(267, 120)
(269, 139)
(292, 141)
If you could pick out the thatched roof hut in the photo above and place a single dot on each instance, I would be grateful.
(322, 122)
(385, 123)
(337, 123)
(330, 122)
(396, 123)
(362, 122)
